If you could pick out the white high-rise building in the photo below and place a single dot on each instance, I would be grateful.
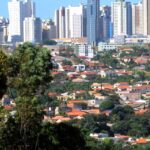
(16, 17)
(121, 18)
(70, 22)
(32, 30)
(18, 11)
(76, 22)
(146, 17)
(137, 19)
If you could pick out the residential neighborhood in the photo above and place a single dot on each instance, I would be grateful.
(85, 86)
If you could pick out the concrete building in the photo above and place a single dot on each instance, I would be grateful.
(1, 35)
(76, 21)
(146, 17)
(93, 28)
(107, 46)
(70, 22)
(60, 22)
(137, 19)
(122, 18)
(32, 30)
(84, 50)
(3, 30)
(18, 11)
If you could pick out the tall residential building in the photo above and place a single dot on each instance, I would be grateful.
(70, 22)
(60, 22)
(146, 17)
(33, 30)
(137, 19)
(105, 22)
(93, 29)
(121, 18)
(18, 11)
(75, 22)
(56, 20)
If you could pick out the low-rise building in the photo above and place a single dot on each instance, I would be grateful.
(107, 46)
(84, 50)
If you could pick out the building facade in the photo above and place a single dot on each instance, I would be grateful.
(84, 50)
(70, 22)
(33, 30)
(76, 21)
(93, 21)
(18, 11)
(137, 19)
(105, 22)
(121, 18)
(146, 17)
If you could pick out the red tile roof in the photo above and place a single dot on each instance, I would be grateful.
(76, 113)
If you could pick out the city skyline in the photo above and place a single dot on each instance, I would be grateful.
(48, 9)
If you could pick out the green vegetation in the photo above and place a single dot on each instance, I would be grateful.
(50, 42)
(133, 125)
(68, 86)
(107, 105)
(120, 113)
(108, 59)
(27, 74)
(3, 72)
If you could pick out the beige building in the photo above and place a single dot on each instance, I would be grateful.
(137, 19)
(146, 17)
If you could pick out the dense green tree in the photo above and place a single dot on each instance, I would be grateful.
(29, 74)
(29, 71)
(114, 98)
(44, 136)
(106, 105)
(50, 42)
(121, 112)
(142, 147)
(66, 62)
(134, 125)
(95, 124)
(3, 72)
(68, 86)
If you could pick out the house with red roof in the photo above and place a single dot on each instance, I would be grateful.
(76, 113)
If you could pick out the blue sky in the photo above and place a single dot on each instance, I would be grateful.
(46, 8)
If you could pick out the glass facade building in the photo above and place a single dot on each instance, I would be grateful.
(93, 14)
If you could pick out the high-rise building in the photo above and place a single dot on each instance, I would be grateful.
(3, 30)
(1, 35)
(146, 17)
(70, 22)
(18, 11)
(75, 22)
(32, 30)
(105, 22)
(60, 22)
(121, 18)
(93, 14)
(16, 18)
(49, 30)
(137, 19)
